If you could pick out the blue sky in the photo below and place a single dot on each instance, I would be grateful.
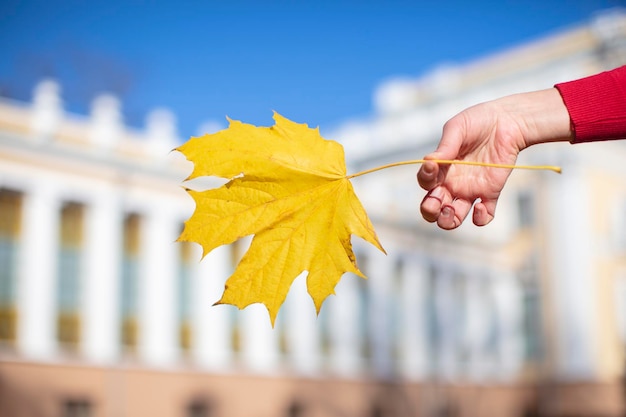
(313, 61)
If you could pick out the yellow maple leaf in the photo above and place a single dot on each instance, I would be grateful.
(287, 187)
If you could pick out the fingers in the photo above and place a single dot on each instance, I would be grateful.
(432, 204)
(427, 176)
(439, 206)
(431, 174)
(484, 213)
(449, 213)
(453, 214)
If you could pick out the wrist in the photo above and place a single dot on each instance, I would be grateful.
(542, 116)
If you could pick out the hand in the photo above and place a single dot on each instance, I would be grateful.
(492, 132)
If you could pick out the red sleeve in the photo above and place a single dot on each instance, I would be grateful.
(597, 106)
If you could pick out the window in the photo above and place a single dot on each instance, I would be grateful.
(396, 307)
(432, 318)
(130, 281)
(184, 296)
(532, 324)
(384, 405)
(376, 411)
(526, 209)
(531, 305)
(364, 311)
(77, 408)
(323, 324)
(69, 275)
(295, 409)
(10, 224)
(198, 408)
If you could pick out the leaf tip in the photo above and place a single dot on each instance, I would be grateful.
(273, 314)
(278, 118)
(223, 301)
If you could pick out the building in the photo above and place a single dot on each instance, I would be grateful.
(536, 297)
(102, 313)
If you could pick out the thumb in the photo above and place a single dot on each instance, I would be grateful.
(451, 140)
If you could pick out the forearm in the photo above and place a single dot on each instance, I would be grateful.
(597, 106)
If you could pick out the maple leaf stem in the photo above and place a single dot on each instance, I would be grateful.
(457, 162)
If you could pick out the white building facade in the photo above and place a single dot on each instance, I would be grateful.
(101, 308)
(532, 295)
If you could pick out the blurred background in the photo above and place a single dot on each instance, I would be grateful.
(103, 314)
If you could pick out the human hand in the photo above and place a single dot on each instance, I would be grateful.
(491, 132)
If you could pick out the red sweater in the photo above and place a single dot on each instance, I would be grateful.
(597, 106)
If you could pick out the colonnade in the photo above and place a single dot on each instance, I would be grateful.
(415, 316)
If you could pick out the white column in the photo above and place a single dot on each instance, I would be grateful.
(103, 248)
(37, 286)
(343, 323)
(479, 316)
(507, 296)
(446, 308)
(571, 252)
(302, 336)
(211, 324)
(259, 341)
(157, 286)
(414, 330)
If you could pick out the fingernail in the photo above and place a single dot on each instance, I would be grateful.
(447, 211)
